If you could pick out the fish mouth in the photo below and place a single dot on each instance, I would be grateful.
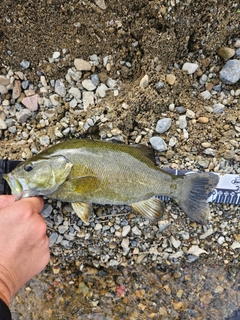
(16, 186)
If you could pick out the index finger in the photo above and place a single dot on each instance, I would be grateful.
(6, 200)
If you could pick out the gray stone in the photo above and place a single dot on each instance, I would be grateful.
(47, 210)
(190, 67)
(230, 73)
(25, 84)
(203, 79)
(3, 89)
(159, 85)
(210, 152)
(44, 140)
(182, 122)
(163, 125)
(206, 95)
(180, 110)
(23, 115)
(158, 144)
(60, 88)
(95, 79)
(237, 53)
(25, 64)
(218, 108)
(53, 238)
(62, 229)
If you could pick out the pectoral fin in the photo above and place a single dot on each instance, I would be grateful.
(82, 210)
(82, 185)
(152, 208)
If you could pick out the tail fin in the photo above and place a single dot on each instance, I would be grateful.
(193, 192)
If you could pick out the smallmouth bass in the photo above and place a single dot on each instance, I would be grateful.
(83, 172)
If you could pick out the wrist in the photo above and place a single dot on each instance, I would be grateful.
(6, 285)
(4, 294)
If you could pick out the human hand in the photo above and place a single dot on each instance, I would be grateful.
(24, 245)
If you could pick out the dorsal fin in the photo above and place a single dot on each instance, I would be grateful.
(148, 152)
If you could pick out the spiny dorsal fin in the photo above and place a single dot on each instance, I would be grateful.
(148, 152)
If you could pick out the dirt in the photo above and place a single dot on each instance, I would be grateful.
(155, 37)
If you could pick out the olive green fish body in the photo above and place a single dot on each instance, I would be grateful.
(84, 172)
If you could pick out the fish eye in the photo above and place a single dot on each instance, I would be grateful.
(28, 167)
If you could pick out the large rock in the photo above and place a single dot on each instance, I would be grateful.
(230, 73)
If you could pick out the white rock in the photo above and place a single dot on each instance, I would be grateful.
(54, 98)
(98, 227)
(235, 245)
(190, 114)
(206, 95)
(172, 141)
(125, 230)
(44, 140)
(190, 67)
(75, 92)
(82, 65)
(221, 240)
(136, 231)
(3, 89)
(125, 244)
(73, 103)
(144, 81)
(88, 99)
(56, 55)
(88, 85)
(182, 122)
(206, 234)
(158, 144)
(43, 81)
(196, 251)
(101, 90)
(176, 243)
(60, 88)
(111, 83)
(3, 125)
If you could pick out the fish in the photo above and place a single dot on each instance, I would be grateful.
(83, 172)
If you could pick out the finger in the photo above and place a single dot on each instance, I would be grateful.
(6, 200)
(35, 202)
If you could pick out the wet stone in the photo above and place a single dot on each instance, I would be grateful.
(60, 88)
(47, 210)
(218, 108)
(53, 238)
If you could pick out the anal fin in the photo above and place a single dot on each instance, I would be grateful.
(82, 210)
(152, 208)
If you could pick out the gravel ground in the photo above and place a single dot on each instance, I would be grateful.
(160, 73)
